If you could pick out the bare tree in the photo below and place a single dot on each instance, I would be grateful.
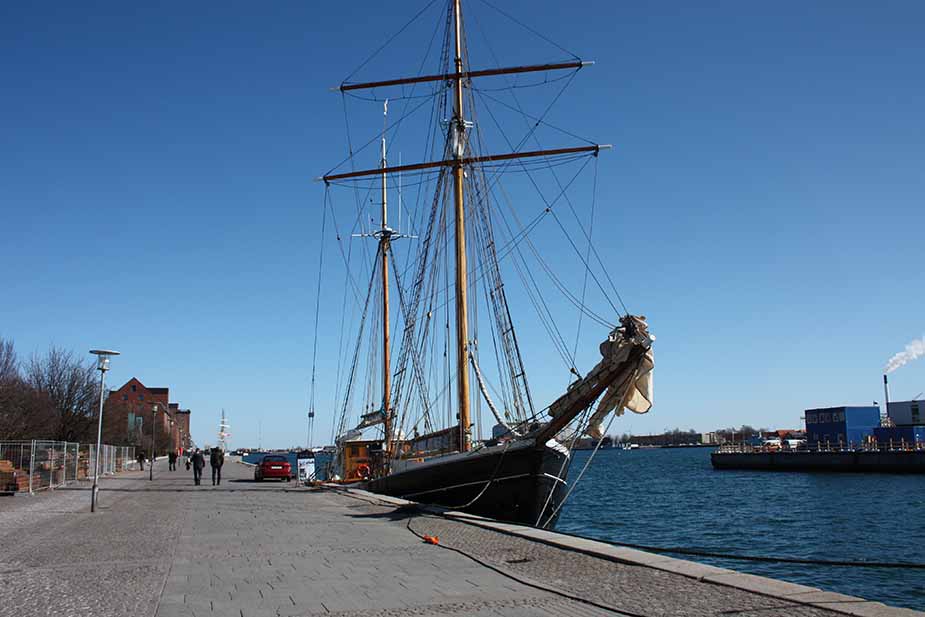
(70, 386)
(24, 413)
(9, 363)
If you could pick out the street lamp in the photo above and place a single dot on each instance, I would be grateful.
(153, 433)
(102, 364)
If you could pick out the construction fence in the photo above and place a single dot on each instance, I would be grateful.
(30, 466)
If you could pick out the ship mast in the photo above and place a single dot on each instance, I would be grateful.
(462, 309)
(384, 244)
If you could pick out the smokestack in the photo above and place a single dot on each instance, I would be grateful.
(886, 396)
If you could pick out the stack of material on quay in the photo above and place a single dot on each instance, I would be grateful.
(12, 479)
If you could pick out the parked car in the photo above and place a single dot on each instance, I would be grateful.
(273, 466)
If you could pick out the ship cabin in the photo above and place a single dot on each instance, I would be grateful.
(358, 459)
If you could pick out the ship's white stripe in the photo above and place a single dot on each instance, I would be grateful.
(502, 479)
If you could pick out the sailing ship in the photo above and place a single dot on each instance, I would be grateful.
(417, 425)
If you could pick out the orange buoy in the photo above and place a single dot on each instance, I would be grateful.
(431, 539)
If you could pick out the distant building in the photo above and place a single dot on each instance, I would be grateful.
(908, 424)
(907, 413)
(845, 425)
(131, 407)
(182, 417)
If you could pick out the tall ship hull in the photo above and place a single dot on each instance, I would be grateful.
(517, 483)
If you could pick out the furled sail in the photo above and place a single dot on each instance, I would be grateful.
(623, 375)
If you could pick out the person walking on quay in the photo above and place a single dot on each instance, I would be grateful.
(141, 461)
(172, 461)
(199, 462)
(217, 459)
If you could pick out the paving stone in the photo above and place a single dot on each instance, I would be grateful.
(246, 549)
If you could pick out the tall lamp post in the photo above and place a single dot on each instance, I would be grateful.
(102, 364)
(153, 433)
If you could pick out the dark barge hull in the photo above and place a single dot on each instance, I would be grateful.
(903, 461)
(508, 485)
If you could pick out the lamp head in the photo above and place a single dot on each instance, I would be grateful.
(102, 358)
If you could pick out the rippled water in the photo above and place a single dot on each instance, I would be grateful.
(673, 497)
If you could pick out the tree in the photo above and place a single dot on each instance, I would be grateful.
(70, 387)
(24, 413)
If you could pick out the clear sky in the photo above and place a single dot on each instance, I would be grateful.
(763, 205)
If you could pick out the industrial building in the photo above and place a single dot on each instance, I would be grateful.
(904, 424)
(908, 423)
(845, 425)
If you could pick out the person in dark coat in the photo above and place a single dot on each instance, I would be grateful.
(199, 462)
(141, 461)
(216, 460)
(172, 460)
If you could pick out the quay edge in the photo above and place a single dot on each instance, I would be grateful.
(803, 595)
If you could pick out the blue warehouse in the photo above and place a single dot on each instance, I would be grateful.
(841, 424)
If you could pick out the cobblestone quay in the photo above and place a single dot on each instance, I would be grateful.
(167, 548)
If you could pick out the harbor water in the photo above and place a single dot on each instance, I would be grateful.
(672, 497)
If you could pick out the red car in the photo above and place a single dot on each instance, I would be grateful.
(273, 466)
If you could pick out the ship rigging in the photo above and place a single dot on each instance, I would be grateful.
(425, 406)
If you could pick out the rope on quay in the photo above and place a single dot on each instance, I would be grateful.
(522, 581)
(558, 592)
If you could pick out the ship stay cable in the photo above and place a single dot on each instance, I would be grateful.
(390, 39)
(563, 192)
(584, 283)
(541, 120)
(529, 29)
(311, 396)
(586, 233)
(552, 211)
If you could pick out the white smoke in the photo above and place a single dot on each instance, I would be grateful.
(915, 349)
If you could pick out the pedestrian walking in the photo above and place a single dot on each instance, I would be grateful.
(216, 460)
(199, 462)
(141, 461)
(172, 461)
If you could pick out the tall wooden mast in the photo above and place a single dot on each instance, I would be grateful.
(462, 309)
(384, 245)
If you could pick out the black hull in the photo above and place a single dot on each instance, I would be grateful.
(512, 485)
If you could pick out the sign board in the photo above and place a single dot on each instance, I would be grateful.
(306, 469)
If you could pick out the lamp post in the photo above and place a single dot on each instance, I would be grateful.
(102, 365)
(153, 433)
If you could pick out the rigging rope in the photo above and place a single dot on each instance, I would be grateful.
(529, 29)
(311, 397)
(390, 39)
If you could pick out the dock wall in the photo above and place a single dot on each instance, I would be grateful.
(899, 461)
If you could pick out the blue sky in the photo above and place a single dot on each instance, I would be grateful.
(763, 205)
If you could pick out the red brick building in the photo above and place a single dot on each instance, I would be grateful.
(130, 411)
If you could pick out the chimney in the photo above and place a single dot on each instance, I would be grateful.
(886, 395)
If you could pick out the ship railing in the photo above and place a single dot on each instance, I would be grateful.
(891, 446)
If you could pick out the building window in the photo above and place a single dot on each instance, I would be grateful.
(133, 387)
(141, 397)
(125, 397)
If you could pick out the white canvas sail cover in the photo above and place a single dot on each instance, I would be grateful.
(624, 375)
(633, 392)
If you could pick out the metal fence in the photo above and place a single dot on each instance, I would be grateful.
(39, 464)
